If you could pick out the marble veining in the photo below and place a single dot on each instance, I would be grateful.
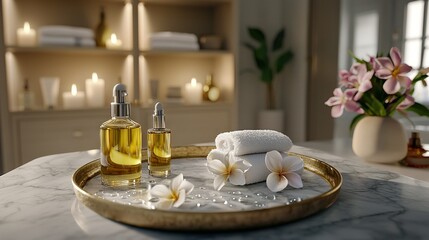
(204, 198)
(37, 202)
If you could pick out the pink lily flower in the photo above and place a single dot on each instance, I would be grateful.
(408, 102)
(374, 64)
(361, 81)
(343, 100)
(393, 70)
(346, 75)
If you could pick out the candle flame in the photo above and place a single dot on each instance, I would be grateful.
(193, 82)
(113, 38)
(74, 90)
(94, 77)
(27, 27)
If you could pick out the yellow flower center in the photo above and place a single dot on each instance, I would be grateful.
(395, 72)
(174, 196)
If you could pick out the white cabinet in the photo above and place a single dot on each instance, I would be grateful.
(40, 134)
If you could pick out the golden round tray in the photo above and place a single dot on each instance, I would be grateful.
(222, 220)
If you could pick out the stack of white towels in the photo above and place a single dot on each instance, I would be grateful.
(58, 35)
(251, 146)
(173, 41)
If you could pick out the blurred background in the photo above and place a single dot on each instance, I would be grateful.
(51, 101)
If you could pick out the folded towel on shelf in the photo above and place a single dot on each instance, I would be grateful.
(66, 31)
(258, 172)
(174, 36)
(252, 141)
(65, 41)
(174, 45)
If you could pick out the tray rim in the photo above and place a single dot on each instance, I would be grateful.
(203, 221)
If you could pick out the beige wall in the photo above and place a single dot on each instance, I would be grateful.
(291, 86)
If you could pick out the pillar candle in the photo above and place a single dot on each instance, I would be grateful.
(26, 36)
(113, 42)
(73, 99)
(95, 91)
(193, 92)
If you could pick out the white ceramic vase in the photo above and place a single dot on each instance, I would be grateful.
(271, 119)
(380, 140)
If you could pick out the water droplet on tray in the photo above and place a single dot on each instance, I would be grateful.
(262, 195)
(271, 197)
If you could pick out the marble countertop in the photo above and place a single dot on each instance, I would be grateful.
(37, 202)
(343, 147)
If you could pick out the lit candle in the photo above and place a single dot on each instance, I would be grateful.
(73, 99)
(95, 91)
(193, 92)
(26, 36)
(113, 42)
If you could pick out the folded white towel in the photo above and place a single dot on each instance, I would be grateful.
(258, 172)
(174, 45)
(66, 31)
(252, 141)
(65, 41)
(174, 36)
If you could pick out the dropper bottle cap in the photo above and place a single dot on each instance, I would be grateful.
(158, 116)
(119, 108)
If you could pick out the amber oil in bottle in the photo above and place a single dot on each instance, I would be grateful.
(120, 140)
(158, 145)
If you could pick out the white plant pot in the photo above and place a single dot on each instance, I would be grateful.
(380, 140)
(271, 119)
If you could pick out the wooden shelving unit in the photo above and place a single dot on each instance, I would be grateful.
(134, 65)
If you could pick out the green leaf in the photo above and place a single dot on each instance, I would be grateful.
(282, 60)
(372, 105)
(261, 57)
(392, 106)
(354, 122)
(356, 58)
(257, 34)
(419, 109)
(267, 75)
(419, 77)
(278, 40)
(379, 106)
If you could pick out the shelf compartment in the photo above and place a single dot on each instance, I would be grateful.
(195, 18)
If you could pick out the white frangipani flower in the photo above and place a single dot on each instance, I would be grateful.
(174, 195)
(228, 168)
(284, 171)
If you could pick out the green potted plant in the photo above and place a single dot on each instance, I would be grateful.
(270, 59)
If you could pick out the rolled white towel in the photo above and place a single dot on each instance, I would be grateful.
(252, 141)
(258, 172)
